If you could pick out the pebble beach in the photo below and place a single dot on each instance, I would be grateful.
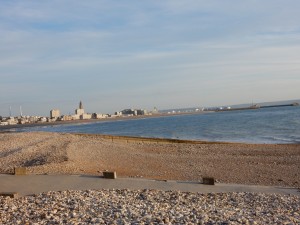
(53, 153)
(149, 207)
(57, 153)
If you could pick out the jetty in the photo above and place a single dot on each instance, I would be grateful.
(285, 105)
(256, 107)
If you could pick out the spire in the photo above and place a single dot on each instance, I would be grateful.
(80, 105)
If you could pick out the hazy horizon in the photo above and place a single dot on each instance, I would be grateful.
(146, 54)
(16, 112)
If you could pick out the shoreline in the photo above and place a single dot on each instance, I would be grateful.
(22, 128)
(6, 128)
(194, 126)
(158, 140)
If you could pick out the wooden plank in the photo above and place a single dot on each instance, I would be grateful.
(9, 194)
(208, 180)
(110, 175)
(20, 171)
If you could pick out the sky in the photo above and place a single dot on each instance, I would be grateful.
(117, 54)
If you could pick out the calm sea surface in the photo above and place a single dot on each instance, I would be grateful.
(269, 125)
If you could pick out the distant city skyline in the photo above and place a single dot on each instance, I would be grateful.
(114, 55)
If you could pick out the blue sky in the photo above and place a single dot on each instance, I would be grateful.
(140, 54)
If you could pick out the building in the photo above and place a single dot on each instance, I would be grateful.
(80, 114)
(66, 117)
(80, 110)
(75, 117)
(118, 113)
(54, 113)
(132, 112)
(85, 116)
(129, 112)
(11, 121)
(99, 116)
(42, 119)
(141, 112)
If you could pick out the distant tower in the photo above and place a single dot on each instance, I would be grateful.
(21, 112)
(80, 110)
(54, 113)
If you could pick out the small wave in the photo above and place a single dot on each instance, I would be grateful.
(282, 140)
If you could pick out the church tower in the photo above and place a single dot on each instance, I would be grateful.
(80, 110)
(80, 105)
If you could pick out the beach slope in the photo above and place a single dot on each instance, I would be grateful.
(55, 153)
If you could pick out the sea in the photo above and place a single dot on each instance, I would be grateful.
(265, 125)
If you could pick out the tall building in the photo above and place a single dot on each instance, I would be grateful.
(80, 110)
(54, 113)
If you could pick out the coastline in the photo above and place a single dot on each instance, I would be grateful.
(9, 127)
(267, 126)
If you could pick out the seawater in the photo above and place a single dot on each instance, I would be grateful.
(269, 125)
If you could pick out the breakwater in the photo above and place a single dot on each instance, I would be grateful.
(257, 107)
(285, 105)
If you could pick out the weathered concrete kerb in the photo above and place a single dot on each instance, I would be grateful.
(34, 184)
